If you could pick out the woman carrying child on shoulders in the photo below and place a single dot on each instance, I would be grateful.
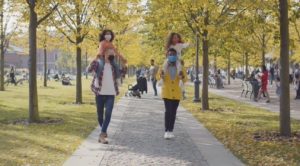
(174, 41)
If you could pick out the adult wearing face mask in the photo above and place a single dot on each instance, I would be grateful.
(171, 92)
(105, 89)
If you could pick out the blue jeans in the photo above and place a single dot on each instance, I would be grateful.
(183, 93)
(114, 64)
(271, 78)
(108, 102)
(154, 86)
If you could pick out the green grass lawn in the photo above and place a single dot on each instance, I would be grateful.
(46, 144)
(226, 126)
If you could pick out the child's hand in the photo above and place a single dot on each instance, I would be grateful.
(191, 44)
(124, 60)
(98, 56)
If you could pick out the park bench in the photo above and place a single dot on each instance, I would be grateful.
(245, 87)
(249, 88)
(212, 82)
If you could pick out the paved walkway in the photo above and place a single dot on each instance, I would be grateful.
(233, 91)
(135, 137)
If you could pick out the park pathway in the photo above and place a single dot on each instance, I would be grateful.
(135, 138)
(234, 90)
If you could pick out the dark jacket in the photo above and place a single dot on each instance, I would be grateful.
(142, 83)
(138, 72)
(251, 79)
(272, 71)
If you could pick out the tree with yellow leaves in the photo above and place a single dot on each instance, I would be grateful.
(38, 11)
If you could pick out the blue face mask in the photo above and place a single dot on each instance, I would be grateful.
(172, 58)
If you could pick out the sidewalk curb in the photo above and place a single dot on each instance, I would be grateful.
(90, 152)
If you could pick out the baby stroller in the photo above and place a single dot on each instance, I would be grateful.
(55, 77)
(133, 91)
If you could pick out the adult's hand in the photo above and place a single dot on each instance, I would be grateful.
(162, 74)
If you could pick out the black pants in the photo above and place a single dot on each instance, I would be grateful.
(170, 113)
(298, 91)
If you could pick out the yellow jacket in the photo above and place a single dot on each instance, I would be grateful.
(171, 89)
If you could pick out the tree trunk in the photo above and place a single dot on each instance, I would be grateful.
(246, 61)
(78, 76)
(2, 50)
(285, 125)
(215, 63)
(244, 65)
(205, 64)
(263, 51)
(45, 66)
(86, 75)
(33, 96)
(228, 68)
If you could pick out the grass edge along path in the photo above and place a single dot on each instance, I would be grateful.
(232, 128)
(52, 143)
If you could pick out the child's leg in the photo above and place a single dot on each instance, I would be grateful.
(178, 65)
(163, 70)
(100, 67)
(116, 66)
(165, 65)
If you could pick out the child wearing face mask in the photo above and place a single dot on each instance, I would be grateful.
(173, 40)
(105, 39)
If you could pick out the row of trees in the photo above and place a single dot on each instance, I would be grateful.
(229, 31)
(73, 26)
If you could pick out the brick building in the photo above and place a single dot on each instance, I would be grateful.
(15, 56)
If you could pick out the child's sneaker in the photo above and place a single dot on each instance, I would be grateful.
(181, 84)
(119, 82)
(124, 71)
(160, 82)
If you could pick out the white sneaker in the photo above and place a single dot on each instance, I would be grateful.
(119, 82)
(160, 82)
(155, 97)
(171, 135)
(167, 135)
(181, 84)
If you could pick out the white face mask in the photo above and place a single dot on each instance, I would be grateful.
(108, 37)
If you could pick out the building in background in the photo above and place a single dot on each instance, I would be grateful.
(18, 57)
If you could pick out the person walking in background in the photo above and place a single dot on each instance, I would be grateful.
(271, 75)
(12, 75)
(105, 89)
(171, 92)
(152, 74)
(41, 76)
(291, 75)
(183, 93)
(264, 82)
(148, 72)
(297, 79)
(278, 87)
(143, 72)
(276, 72)
(137, 73)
